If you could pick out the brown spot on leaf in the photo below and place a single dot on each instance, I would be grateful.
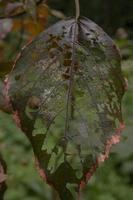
(17, 77)
(55, 44)
(68, 55)
(66, 46)
(76, 66)
(35, 55)
(67, 62)
(34, 102)
(66, 76)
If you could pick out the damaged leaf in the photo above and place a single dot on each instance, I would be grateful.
(66, 89)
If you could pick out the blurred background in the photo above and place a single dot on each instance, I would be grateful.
(21, 21)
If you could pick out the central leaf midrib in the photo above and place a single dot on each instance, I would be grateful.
(69, 102)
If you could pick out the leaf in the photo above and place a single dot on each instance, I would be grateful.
(73, 71)
(17, 9)
(13, 8)
(5, 27)
(30, 6)
(42, 13)
(33, 26)
(57, 14)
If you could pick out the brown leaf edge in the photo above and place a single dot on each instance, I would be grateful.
(114, 139)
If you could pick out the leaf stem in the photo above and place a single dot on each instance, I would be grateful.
(77, 9)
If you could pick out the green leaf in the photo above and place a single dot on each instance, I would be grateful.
(73, 71)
